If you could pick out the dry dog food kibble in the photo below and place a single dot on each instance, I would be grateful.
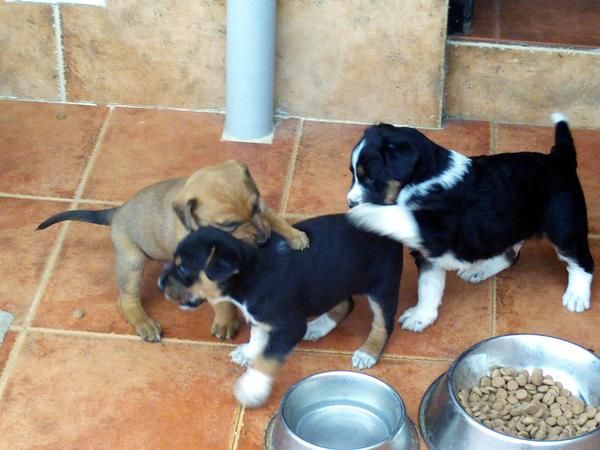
(530, 406)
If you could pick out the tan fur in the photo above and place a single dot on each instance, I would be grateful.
(153, 221)
(391, 193)
(378, 336)
(340, 311)
(267, 366)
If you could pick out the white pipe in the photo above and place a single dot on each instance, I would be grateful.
(250, 70)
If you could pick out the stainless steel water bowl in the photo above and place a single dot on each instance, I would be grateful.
(341, 410)
(445, 425)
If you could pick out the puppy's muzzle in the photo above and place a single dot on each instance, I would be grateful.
(174, 290)
(353, 203)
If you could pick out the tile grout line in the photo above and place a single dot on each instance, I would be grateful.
(48, 269)
(493, 311)
(497, 20)
(60, 57)
(95, 152)
(59, 199)
(200, 343)
(237, 428)
(287, 186)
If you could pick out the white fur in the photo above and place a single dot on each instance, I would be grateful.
(239, 305)
(577, 295)
(454, 173)
(396, 222)
(558, 117)
(319, 327)
(430, 290)
(245, 354)
(356, 192)
(362, 360)
(448, 261)
(253, 388)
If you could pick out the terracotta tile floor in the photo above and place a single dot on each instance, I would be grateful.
(90, 383)
(571, 23)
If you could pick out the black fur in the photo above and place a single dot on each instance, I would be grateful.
(99, 217)
(282, 287)
(502, 199)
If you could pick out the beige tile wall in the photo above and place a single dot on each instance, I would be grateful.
(522, 84)
(27, 52)
(356, 60)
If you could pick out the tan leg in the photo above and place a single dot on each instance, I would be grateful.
(297, 239)
(226, 323)
(368, 355)
(325, 323)
(130, 270)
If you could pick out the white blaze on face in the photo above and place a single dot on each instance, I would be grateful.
(355, 193)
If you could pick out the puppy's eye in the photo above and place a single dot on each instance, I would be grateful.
(186, 277)
(230, 226)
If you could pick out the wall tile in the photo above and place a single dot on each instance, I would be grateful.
(361, 60)
(27, 59)
(521, 84)
(134, 52)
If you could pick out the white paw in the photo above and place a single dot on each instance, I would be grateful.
(253, 388)
(362, 360)
(576, 301)
(240, 355)
(417, 319)
(471, 275)
(319, 327)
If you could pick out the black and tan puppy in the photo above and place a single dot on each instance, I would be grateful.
(153, 221)
(278, 289)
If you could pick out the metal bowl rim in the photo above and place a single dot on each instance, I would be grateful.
(403, 417)
(471, 420)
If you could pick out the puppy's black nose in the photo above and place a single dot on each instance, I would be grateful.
(352, 203)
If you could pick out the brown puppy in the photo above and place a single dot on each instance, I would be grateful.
(153, 221)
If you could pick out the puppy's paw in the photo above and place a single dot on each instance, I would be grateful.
(472, 275)
(148, 330)
(298, 240)
(240, 355)
(576, 301)
(417, 319)
(225, 330)
(253, 388)
(363, 360)
(319, 327)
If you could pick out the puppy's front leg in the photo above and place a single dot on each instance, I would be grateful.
(130, 269)
(432, 280)
(254, 387)
(226, 323)
(245, 354)
(297, 239)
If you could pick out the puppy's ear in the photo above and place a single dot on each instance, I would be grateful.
(223, 263)
(400, 160)
(185, 212)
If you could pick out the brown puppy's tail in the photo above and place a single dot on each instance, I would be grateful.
(99, 217)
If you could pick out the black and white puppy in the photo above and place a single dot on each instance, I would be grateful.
(471, 215)
(278, 289)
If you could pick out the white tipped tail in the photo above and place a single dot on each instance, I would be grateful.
(558, 117)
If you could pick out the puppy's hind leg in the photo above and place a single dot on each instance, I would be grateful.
(254, 387)
(432, 280)
(129, 268)
(381, 330)
(490, 267)
(325, 323)
(566, 227)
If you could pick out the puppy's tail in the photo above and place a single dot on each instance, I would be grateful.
(564, 148)
(98, 217)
